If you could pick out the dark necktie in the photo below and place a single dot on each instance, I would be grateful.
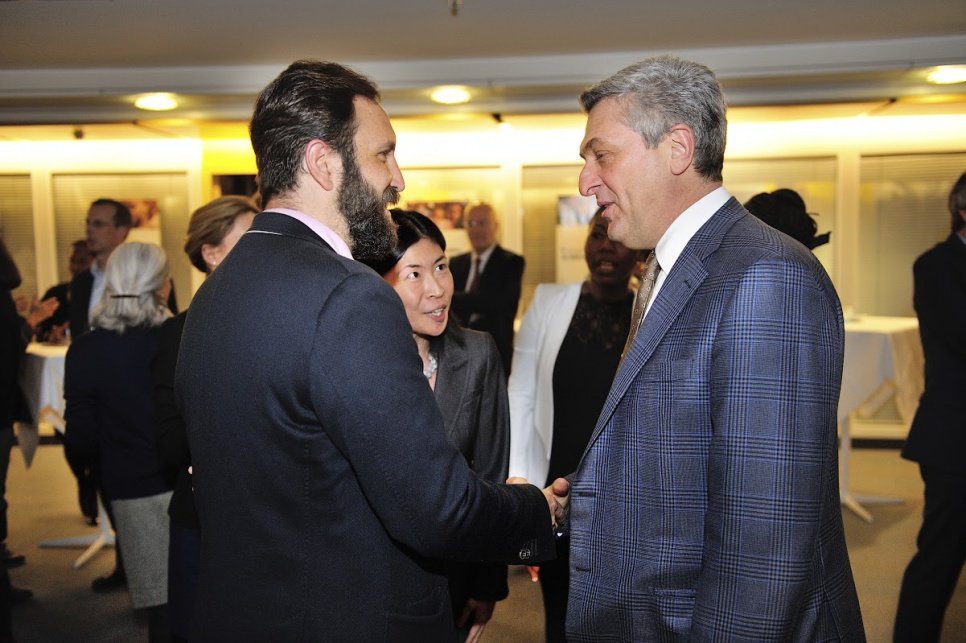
(647, 277)
(475, 284)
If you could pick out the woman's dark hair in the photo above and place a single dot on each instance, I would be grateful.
(411, 226)
(784, 210)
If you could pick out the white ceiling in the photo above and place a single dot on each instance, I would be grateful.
(78, 61)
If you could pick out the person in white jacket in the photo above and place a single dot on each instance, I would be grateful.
(565, 356)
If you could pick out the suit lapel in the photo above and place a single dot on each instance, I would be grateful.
(451, 379)
(679, 286)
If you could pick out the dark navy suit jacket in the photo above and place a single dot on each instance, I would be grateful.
(323, 477)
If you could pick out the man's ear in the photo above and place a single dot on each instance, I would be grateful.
(322, 163)
(682, 148)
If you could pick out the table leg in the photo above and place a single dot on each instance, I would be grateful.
(92, 543)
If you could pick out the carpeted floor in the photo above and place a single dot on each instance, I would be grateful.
(43, 506)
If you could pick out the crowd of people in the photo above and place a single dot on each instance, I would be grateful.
(670, 439)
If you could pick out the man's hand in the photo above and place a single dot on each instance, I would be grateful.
(478, 613)
(558, 496)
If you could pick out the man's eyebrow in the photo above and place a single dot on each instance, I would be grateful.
(583, 148)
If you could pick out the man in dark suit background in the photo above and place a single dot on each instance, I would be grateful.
(937, 438)
(487, 282)
(108, 223)
(324, 481)
(706, 504)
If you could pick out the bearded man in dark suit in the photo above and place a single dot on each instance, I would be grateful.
(325, 484)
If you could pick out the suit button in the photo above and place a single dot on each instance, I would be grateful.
(525, 554)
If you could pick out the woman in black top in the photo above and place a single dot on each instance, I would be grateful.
(213, 231)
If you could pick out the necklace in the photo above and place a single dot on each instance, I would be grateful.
(431, 367)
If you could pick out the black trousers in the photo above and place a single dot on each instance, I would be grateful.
(7, 441)
(555, 586)
(932, 574)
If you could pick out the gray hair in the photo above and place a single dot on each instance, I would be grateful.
(659, 93)
(134, 274)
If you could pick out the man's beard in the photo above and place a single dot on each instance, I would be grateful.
(372, 234)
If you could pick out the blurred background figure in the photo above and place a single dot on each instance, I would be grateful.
(465, 371)
(54, 329)
(15, 332)
(937, 437)
(107, 387)
(487, 282)
(213, 231)
(784, 210)
(565, 357)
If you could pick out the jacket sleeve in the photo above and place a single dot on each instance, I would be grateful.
(432, 503)
(171, 431)
(522, 389)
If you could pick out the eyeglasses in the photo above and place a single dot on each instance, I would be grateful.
(478, 223)
(94, 223)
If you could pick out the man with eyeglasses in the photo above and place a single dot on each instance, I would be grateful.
(488, 282)
(108, 224)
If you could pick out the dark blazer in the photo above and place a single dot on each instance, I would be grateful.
(79, 300)
(472, 397)
(938, 434)
(706, 506)
(107, 388)
(322, 473)
(172, 435)
(495, 301)
(62, 293)
(13, 343)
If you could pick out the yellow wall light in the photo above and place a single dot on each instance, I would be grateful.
(947, 74)
(450, 94)
(156, 102)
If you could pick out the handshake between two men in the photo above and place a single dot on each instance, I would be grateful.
(558, 498)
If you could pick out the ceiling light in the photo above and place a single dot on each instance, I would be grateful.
(947, 75)
(157, 102)
(450, 94)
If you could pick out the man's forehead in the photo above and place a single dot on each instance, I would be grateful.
(372, 120)
(101, 210)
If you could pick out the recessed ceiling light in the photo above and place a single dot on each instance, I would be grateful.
(450, 94)
(947, 75)
(156, 102)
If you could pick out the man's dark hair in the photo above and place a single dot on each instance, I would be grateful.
(122, 214)
(309, 100)
(957, 202)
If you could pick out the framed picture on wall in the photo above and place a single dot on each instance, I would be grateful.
(575, 210)
(448, 215)
(145, 219)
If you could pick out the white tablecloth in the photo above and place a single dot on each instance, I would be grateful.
(42, 382)
(883, 360)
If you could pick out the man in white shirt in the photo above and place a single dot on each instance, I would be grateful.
(706, 504)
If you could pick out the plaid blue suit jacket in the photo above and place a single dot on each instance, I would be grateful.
(706, 506)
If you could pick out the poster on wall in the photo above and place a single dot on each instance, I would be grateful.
(575, 210)
(574, 213)
(448, 215)
(145, 220)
